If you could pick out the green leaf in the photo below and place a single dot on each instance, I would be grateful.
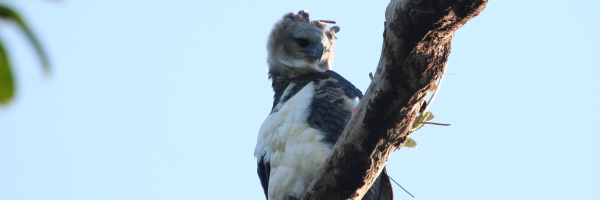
(420, 118)
(7, 84)
(429, 116)
(8, 13)
(416, 127)
(410, 143)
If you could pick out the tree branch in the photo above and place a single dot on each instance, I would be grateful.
(416, 46)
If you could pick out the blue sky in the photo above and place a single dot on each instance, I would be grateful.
(160, 99)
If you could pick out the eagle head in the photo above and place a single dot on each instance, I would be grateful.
(298, 46)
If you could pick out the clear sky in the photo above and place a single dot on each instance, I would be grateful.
(157, 99)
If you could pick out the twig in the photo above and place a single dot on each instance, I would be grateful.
(440, 124)
(401, 186)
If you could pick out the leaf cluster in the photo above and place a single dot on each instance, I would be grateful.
(7, 83)
(418, 124)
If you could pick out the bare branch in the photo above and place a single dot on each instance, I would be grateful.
(416, 46)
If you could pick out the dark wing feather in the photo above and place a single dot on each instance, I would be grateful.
(385, 187)
(328, 112)
(381, 188)
(264, 169)
(373, 193)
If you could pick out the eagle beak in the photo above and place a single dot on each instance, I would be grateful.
(316, 51)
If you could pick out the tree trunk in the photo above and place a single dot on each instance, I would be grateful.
(415, 50)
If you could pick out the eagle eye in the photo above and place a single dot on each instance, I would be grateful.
(302, 42)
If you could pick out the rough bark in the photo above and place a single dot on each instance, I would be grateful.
(415, 50)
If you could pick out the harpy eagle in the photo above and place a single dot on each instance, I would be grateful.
(311, 107)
